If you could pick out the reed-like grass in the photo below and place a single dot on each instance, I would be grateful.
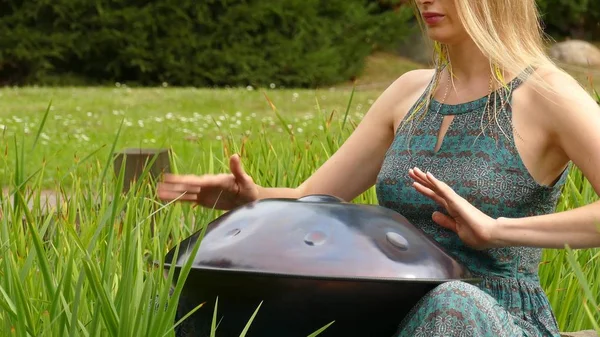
(93, 266)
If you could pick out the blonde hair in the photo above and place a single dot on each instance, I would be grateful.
(508, 33)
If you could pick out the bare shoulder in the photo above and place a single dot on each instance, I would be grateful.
(414, 80)
(559, 100)
(561, 95)
(402, 94)
(570, 116)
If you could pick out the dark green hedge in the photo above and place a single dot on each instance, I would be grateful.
(191, 42)
(579, 19)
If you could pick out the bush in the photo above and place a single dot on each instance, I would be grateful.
(186, 42)
(578, 19)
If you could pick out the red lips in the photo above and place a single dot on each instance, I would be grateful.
(432, 18)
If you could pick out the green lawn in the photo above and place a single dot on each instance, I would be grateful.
(191, 121)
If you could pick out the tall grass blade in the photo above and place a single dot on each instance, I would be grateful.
(247, 327)
(318, 332)
(43, 122)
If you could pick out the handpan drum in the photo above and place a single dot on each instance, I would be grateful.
(310, 261)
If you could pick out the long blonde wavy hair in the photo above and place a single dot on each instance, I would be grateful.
(509, 34)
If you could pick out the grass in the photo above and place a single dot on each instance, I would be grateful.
(191, 121)
(93, 266)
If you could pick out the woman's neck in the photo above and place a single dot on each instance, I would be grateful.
(468, 62)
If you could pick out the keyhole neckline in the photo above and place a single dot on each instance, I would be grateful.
(476, 105)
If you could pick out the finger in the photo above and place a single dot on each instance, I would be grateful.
(430, 194)
(235, 165)
(181, 187)
(444, 221)
(167, 195)
(190, 180)
(420, 173)
(440, 187)
(421, 179)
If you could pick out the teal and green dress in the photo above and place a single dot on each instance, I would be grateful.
(484, 168)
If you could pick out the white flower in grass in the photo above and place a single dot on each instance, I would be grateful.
(253, 114)
(2, 127)
(238, 114)
(299, 130)
(141, 123)
(169, 115)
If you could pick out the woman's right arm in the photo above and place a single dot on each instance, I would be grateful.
(353, 168)
(350, 171)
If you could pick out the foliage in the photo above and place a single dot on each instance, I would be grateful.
(571, 18)
(294, 43)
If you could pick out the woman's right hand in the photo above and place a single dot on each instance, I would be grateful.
(220, 191)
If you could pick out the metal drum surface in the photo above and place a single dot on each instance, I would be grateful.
(310, 261)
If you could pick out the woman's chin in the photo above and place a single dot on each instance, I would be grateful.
(440, 36)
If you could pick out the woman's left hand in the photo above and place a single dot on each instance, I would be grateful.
(474, 227)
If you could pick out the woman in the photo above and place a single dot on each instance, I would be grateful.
(496, 124)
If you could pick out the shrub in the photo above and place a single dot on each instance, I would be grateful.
(571, 18)
(200, 43)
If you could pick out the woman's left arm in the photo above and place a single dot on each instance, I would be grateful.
(575, 126)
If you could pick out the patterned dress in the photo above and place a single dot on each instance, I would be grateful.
(486, 170)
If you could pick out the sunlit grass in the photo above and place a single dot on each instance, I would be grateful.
(190, 121)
